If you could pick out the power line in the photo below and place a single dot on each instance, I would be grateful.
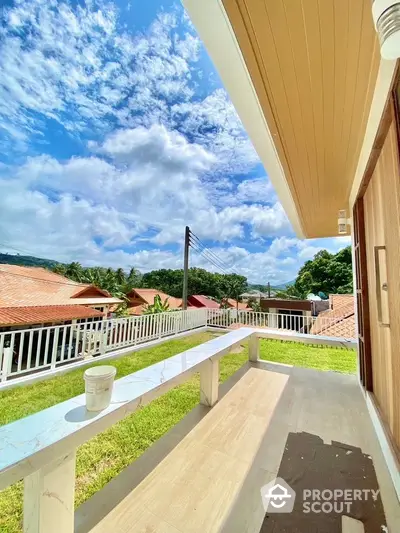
(201, 249)
(207, 249)
(211, 255)
(209, 260)
(208, 256)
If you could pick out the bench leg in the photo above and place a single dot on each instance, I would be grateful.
(209, 383)
(254, 348)
(49, 497)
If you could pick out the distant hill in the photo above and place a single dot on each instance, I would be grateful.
(282, 286)
(26, 260)
(263, 288)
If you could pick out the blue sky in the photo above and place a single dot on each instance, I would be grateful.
(116, 132)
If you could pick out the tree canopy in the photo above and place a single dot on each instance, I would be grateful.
(200, 281)
(329, 273)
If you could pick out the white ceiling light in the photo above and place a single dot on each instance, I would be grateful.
(386, 15)
(343, 222)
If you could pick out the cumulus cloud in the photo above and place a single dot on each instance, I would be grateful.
(84, 71)
(152, 179)
(147, 152)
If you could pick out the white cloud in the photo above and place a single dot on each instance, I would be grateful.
(157, 157)
(213, 122)
(152, 179)
(78, 65)
(86, 73)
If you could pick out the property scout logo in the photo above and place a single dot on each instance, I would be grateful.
(279, 497)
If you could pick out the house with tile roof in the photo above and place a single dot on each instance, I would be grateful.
(139, 299)
(339, 319)
(234, 304)
(199, 300)
(33, 296)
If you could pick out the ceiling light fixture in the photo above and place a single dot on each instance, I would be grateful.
(386, 14)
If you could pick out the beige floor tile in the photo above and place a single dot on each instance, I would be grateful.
(210, 482)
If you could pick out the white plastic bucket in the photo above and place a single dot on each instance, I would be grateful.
(99, 381)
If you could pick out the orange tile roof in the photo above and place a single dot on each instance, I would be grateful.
(338, 300)
(232, 303)
(344, 328)
(148, 295)
(19, 316)
(137, 309)
(31, 286)
(339, 321)
(199, 300)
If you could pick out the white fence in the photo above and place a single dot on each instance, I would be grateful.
(32, 350)
(227, 318)
(29, 351)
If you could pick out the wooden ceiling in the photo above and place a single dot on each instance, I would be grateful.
(314, 65)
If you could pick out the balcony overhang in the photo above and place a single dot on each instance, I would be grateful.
(302, 77)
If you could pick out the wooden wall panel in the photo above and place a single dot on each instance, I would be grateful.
(382, 222)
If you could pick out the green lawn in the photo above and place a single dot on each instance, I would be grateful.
(104, 456)
(309, 356)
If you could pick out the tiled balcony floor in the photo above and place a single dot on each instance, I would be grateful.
(205, 476)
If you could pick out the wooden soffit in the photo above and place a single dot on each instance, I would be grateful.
(314, 66)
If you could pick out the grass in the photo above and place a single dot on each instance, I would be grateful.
(106, 455)
(309, 356)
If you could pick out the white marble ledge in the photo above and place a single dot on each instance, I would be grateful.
(338, 342)
(28, 444)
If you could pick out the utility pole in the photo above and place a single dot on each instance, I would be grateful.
(269, 289)
(185, 269)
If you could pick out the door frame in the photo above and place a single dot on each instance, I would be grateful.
(391, 111)
(362, 297)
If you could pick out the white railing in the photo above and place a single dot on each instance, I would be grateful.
(328, 326)
(41, 449)
(28, 351)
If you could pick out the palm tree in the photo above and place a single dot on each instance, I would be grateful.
(59, 268)
(120, 276)
(134, 277)
(74, 271)
(233, 291)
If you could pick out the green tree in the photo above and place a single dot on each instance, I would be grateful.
(60, 269)
(329, 273)
(120, 276)
(74, 271)
(200, 281)
(158, 306)
(254, 304)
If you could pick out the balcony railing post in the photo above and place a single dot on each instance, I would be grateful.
(6, 365)
(254, 348)
(55, 347)
(103, 336)
(209, 382)
(49, 497)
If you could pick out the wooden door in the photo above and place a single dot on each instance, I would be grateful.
(381, 209)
